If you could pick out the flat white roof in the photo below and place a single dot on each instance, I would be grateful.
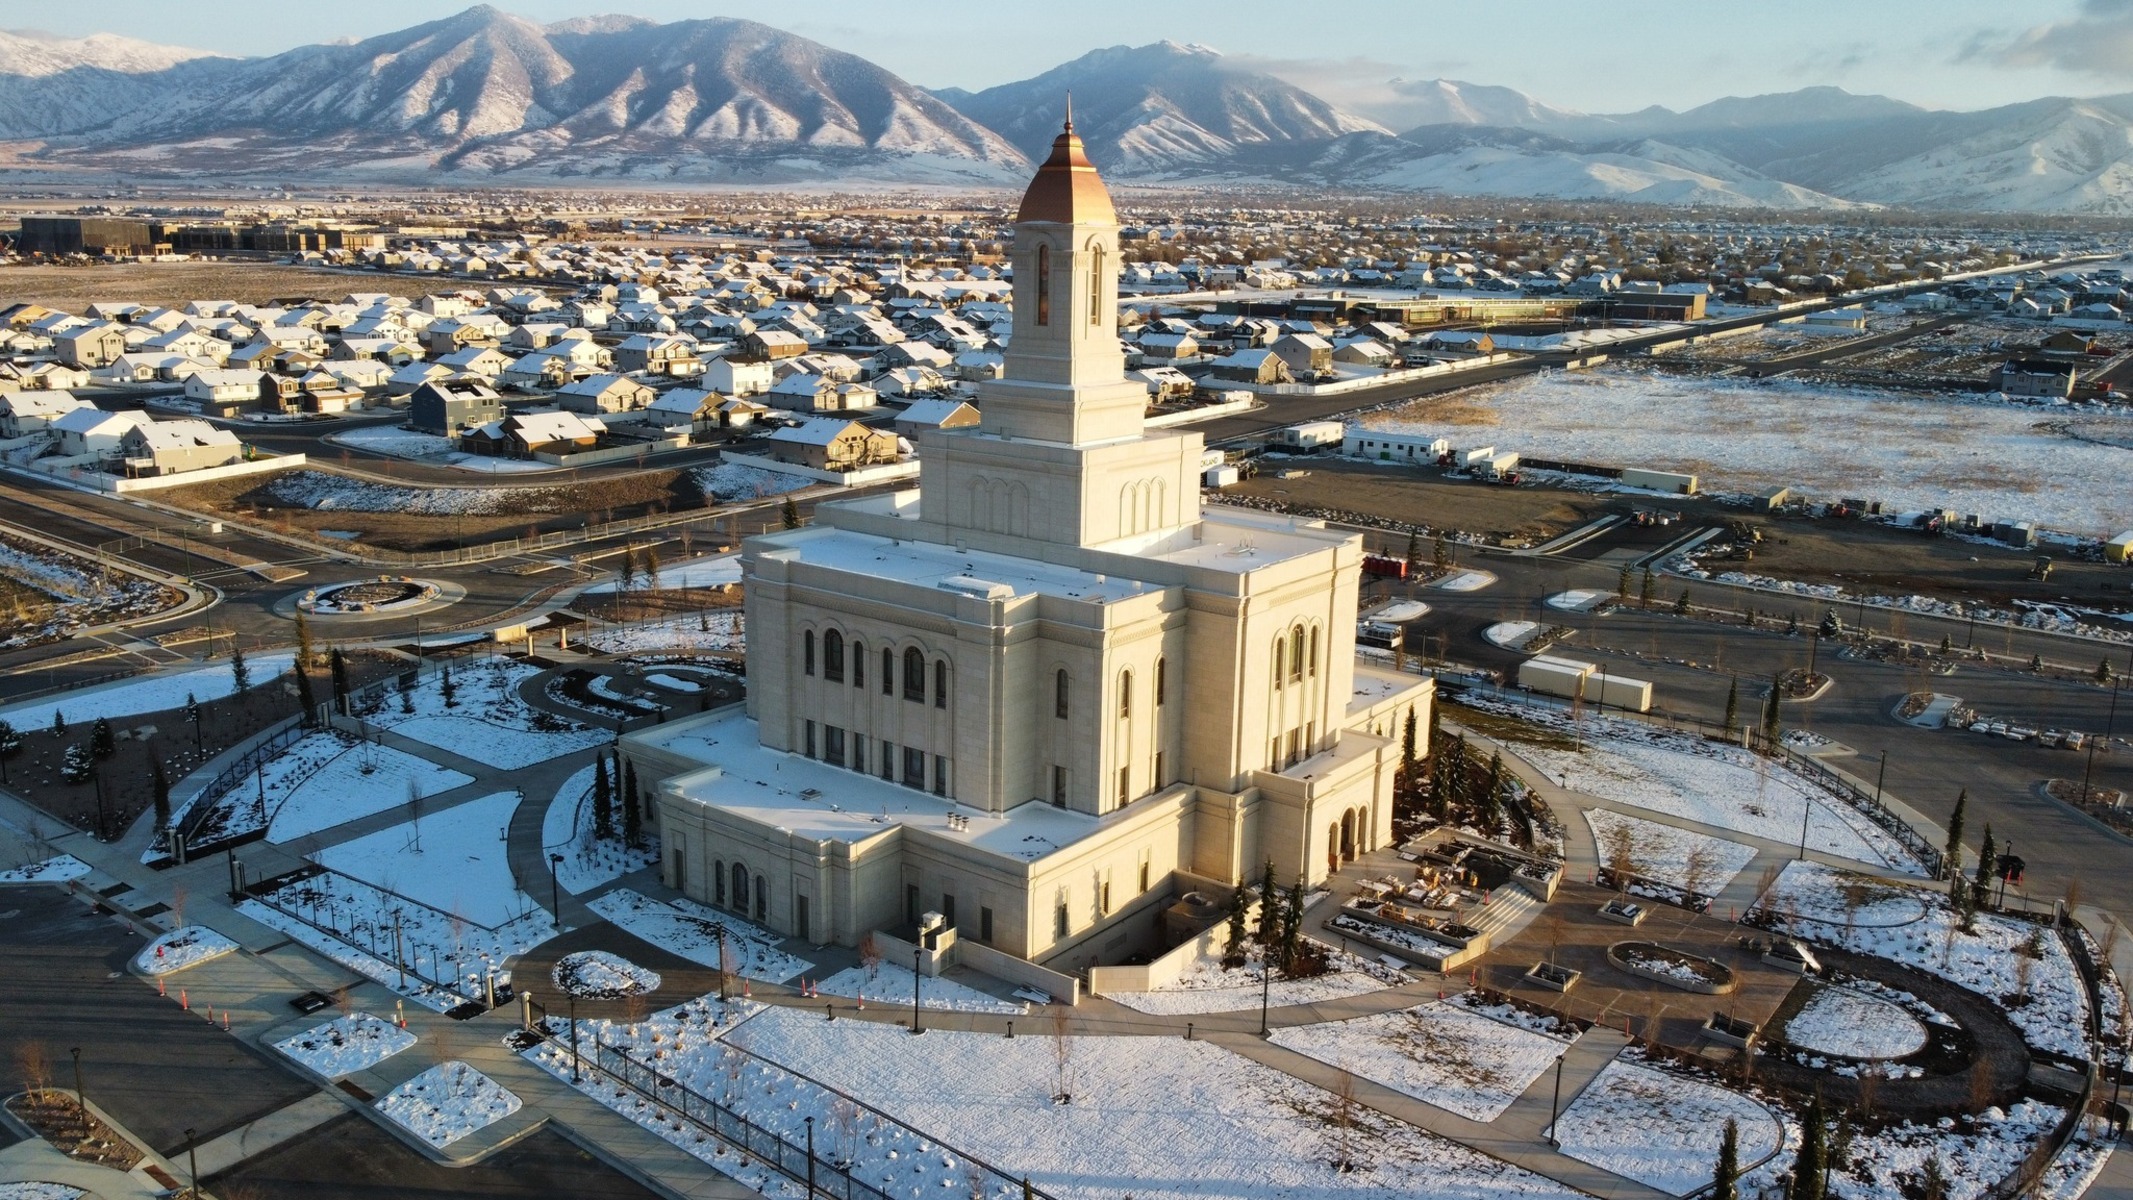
(812, 799)
(929, 564)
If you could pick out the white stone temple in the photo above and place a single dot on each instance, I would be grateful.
(1047, 691)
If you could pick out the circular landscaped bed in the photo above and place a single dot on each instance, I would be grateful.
(1844, 1023)
(1674, 968)
(598, 975)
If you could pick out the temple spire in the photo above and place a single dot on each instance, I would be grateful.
(1069, 112)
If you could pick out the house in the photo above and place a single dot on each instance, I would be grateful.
(1169, 347)
(1252, 366)
(93, 431)
(222, 391)
(406, 380)
(1164, 383)
(2035, 377)
(770, 345)
(605, 394)
(832, 444)
(738, 378)
(817, 393)
(682, 410)
(1305, 353)
(25, 413)
(446, 407)
(740, 414)
(1364, 352)
(173, 447)
(483, 362)
(528, 434)
(925, 415)
(91, 345)
(658, 354)
(1844, 320)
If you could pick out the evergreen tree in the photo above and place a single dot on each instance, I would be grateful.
(59, 723)
(338, 664)
(1962, 899)
(240, 670)
(2103, 671)
(1792, 624)
(1986, 852)
(603, 801)
(632, 806)
(1236, 920)
(1952, 853)
(1770, 713)
(1932, 1179)
(626, 574)
(1622, 585)
(1725, 1180)
(447, 687)
(1810, 1168)
(650, 568)
(159, 788)
(1947, 644)
(10, 741)
(790, 511)
(306, 703)
(1269, 904)
(1441, 554)
(1650, 588)
(192, 713)
(1292, 921)
(1488, 816)
(304, 651)
(1733, 708)
(1414, 551)
(101, 744)
(1681, 603)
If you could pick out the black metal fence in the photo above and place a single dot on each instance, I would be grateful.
(204, 804)
(829, 1177)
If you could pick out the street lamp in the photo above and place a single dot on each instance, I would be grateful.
(81, 1098)
(555, 896)
(2110, 723)
(1555, 1105)
(918, 955)
(192, 1159)
(810, 1158)
(1266, 989)
(574, 1037)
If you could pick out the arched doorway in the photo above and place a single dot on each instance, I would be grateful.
(1348, 836)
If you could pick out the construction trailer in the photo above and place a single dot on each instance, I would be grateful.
(2119, 549)
(1312, 435)
(1671, 482)
(1573, 679)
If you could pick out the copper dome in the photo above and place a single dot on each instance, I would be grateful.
(1067, 190)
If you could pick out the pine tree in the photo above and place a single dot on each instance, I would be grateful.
(1488, 805)
(603, 801)
(1681, 603)
(1770, 713)
(1441, 554)
(159, 787)
(1986, 852)
(790, 512)
(338, 664)
(2103, 671)
(240, 670)
(1414, 551)
(1236, 920)
(445, 686)
(1622, 585)
(1651, 587)
(101, 744)
(1962, 898)
(1292, 920)
(1269, 902)
(305, 654)
(632, 806)
(1810, 1169)
(1725, 1179)
(651, 568)
(1932, 1179)
(1792, 624)
(306, 703)
(1733, 708)
(1952, 853)
(59, 723)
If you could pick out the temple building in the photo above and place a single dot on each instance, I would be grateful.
(1047, 691)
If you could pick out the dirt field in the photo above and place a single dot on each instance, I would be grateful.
(1412, 496)
(70, 289)
(1877, 559)
(381, 522)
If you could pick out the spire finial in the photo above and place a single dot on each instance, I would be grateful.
(1070, 112)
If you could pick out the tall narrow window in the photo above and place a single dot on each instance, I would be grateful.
(888, 671)
(1059, 787)
(1125, 693)
(1280, 668)
(833, 656)
(1044, 285)
(940, 683)
(1296, 653)
(807, 652)
(1096, 287)
(1059, 694)
(914, 675)
(1125, 785)
(1313, 660)
(1162, 680)
(859, 664)
(1157, 781)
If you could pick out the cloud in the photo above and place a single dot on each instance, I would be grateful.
(2096, 41)
(1365, 86)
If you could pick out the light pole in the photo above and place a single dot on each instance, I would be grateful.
(1555, 1105)
(1881, 777)
(555, 895)
(192, 1159)
(918, 955)
(1807, 809)
(81, 1098)
(2110, 723)
(810, 1158)
(574, 1038)
(1266, 989)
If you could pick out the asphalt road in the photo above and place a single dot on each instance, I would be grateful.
(350, 1158)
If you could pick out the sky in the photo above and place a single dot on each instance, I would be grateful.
(1612, 57)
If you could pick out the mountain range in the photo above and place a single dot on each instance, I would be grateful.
(485, 96)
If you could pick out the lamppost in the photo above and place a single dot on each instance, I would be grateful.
(918, 955)
(192, 1159)
(810, 1158)
(81, 1098)
(2110, 723)
(2001, 868)
(1881, 777)
(574, 1037)
(1555, 1105)
(722, 964)
(555, 896)
(1266, 988)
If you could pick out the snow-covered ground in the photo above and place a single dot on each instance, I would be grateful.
(1178, 1118)
(1975, 1153)
(709, 571)
(588, 862)
(61, 869)
(692, 931)
(889, 984)
(1666, 854)
(39, 1190)
(1465, 581)
(185, 946)
(430, 448)
(675, 683)
(2075, 1169)
(1441, 1053)
(81, 593)
(455, 861)
(734, 481)
(323, 492)
(676, 633)
(322, 780)
(147, 694)
(602, 976)
(1661, 1128)
(1853, 1024)
(490, 723)
(448, 1102)
(347, 1044)
(1968, 454)
(1717, 785)
(1809, 900)
(1205, 987)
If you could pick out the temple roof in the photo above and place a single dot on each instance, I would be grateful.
(1067, 189)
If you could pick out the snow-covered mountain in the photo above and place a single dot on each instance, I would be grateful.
(1433, 102)
(1158, 110)
(54, 85)
(488, 92)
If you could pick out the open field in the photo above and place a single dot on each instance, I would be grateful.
(173, 284)
(1422, 496)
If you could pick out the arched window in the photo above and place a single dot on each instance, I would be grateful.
(1125, 693)
(859, 664)
(740, 886)
(1096, 287)
(1044, 285)
(914, 675)
(1162, 680)
(1060, 695)
(807, 652)
(762, 897)
(1296, 653)
(1313, 660)
(940, 683)
(1280, 666)
(888, 671)
(833, 656)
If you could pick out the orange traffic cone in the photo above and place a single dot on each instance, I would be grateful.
(162, 986)
(225, 1020)
(184, 1001)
